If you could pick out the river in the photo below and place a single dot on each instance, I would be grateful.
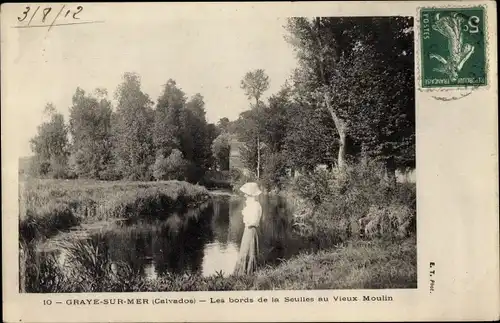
(203, 240)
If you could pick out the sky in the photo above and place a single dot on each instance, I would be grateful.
(205, 53)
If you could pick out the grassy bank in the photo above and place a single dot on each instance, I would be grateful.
(49, 206)
(331, 211)
(355, 265)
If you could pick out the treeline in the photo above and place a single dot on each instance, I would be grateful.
(136, 140)
(351, 96)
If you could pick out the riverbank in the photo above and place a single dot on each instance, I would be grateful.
(354, 265)
(50, 206)
(330, 212)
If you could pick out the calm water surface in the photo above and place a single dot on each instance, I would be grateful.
(204, 240)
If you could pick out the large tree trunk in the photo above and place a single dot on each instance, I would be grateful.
(342, 149)
(339, 123)
(390, 175)
(258, 140)
(258, 157)
(342, 131)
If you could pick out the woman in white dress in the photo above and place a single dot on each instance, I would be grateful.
(252, 213)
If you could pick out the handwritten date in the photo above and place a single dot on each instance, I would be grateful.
(49, 13)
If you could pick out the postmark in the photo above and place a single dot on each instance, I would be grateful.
(453, 48)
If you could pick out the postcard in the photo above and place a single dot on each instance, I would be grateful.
(256, 161)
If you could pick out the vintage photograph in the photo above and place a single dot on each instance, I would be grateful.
(228, 154)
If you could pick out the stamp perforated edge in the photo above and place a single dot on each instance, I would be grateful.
(418, 52)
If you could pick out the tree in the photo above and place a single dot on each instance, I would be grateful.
(168, 114)
(197, 106)
(270, 124)
(159, 168)
(247, 128)
(181, 124)
(273, 124)
(221, 149)
(274, 119)
(351, 65)
(172, 167)
(274, 170)
(223, 124)
(90, 129)
(309, 141)
(196, 129)
(132, 137)
(50, 145)
(254, 84)
(211, 133)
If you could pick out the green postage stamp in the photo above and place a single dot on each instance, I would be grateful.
(453, 52)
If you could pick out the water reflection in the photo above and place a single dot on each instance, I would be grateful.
(204, 240)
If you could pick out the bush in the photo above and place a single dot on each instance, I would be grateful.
(314, 187)
(54, 168)
(172, 167)
(274, 171)
(221, 149)
(340, 200)
(193, 173)
(39, 168)
(239, 177)
(393, 221)
(109, 174)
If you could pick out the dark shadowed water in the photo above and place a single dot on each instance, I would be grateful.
(205, 240)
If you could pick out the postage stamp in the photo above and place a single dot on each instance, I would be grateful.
(453, 47)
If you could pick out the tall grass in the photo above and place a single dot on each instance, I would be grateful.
(354, 265)
(48, 206)
(39, 273)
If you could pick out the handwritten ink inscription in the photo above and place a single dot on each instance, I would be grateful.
(46, 12)
(49, 16)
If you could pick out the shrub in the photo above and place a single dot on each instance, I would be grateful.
(240, 177)
(392, 221)
(274, 171)
(341, 199)
(109, 173)
(314, 187)
(221, 148)
(172, 167)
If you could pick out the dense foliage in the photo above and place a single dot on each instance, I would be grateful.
(133, 140)
(350, 96)
(50, 145)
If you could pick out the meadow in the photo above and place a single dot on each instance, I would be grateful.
(48, 206)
